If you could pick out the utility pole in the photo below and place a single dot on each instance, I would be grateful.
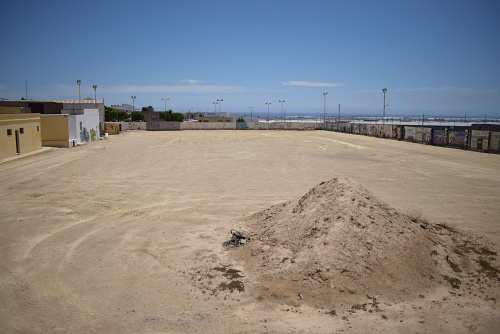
(281, 101)
(338, 121)
(220, 102)
(324, 108)
(251, 113)
(384, 90)
(268, 103)
(95, 95)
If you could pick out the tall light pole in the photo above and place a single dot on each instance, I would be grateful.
(219, 101)
(281, 109)
(384, 90)
(324, 108)
(79, 82)
(133, 103)
(165, 107)
(95, 95)
(268, 104)
(251, 113)
(215, 106)
(165, 103)
(338, 121)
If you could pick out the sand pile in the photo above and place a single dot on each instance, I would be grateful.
(338, 242)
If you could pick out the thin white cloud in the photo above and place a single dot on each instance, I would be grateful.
(190, 81)
(300, 83)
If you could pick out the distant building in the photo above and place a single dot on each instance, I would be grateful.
(210, 117)
(153, 116)
(123, 107)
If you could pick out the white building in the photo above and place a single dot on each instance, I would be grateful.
(123, 107)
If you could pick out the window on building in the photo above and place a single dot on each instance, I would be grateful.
(37, 128)
(81, 126)
(9, 132)
(21, 130)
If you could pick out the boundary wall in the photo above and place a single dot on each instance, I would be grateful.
(174, 126)
(464, 137)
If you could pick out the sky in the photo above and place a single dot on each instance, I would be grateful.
(435, 57)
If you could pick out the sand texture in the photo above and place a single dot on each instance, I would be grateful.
(347, 234)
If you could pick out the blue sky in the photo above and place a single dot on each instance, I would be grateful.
(435, 57)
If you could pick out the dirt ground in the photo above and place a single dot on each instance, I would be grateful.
(125, 235)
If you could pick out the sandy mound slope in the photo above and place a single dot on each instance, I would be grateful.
(338, 242)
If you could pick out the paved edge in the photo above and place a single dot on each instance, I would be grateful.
(25, 155)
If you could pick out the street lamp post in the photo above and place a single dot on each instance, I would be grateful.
(95, 95)
(384, 90)
(338, 121)
(215, 106)
(79, 82)
(281, 109)
(268, 103)
(133, 103)
(165, 107)
(324, 108)
(219, 101)
(251, 113)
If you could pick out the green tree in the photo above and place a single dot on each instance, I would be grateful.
(113, 115)
(122, 115)
(170, 116)
(137, 116)
(148, 108)
(110, 114)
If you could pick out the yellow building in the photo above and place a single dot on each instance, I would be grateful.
(56, 130)
(19, 132)
(113, 128)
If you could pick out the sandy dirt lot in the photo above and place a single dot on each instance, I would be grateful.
(125, 235)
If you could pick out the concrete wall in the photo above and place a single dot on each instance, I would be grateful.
(19, 133)
(439, 137)
(171, 126)
(423, 135)
(495, 141)
(87, 126)
(163, 126)
(456, 138)
(410, 133)
(133, 125)
(284, 126)
(207, 126)
(113, 128)
(480, 140)
(10, 110)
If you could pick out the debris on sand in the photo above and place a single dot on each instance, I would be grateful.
(237, 240)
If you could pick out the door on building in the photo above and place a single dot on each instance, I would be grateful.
(18, 148)
(479, 144)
